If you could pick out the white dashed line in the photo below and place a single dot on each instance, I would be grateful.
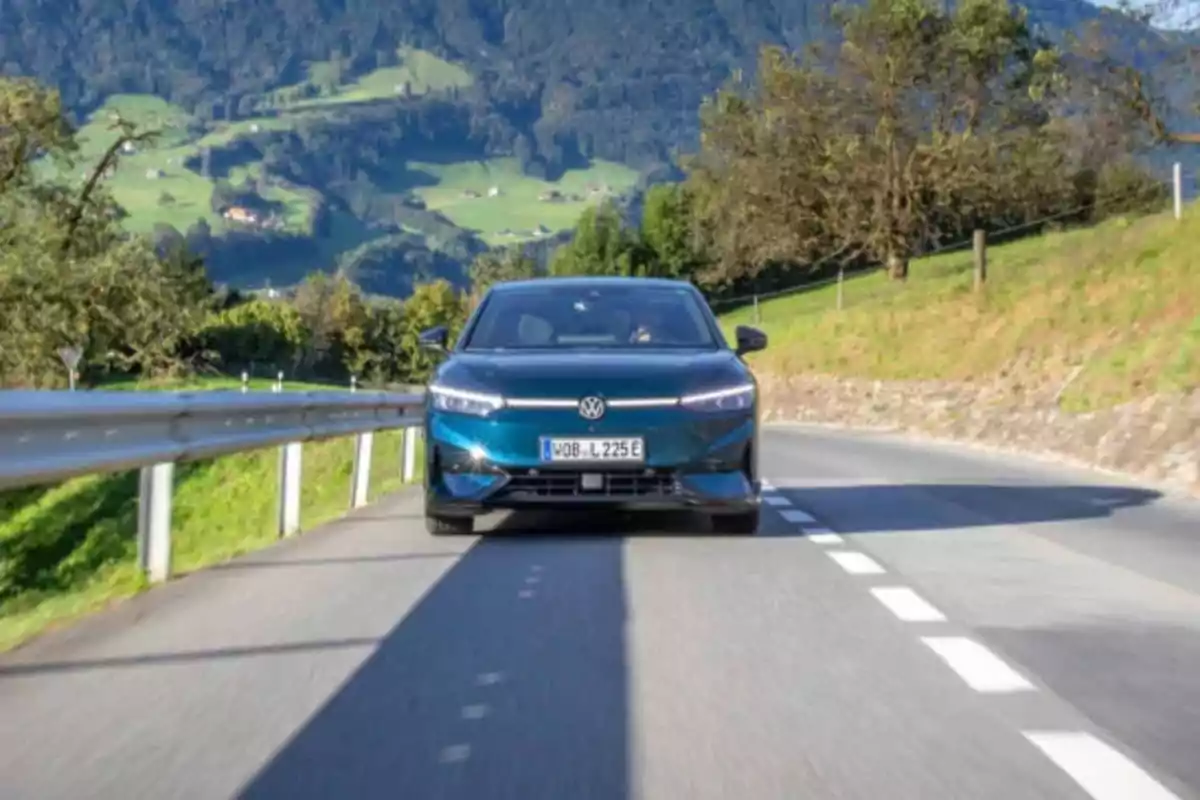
(819, 535)
(532, 579)
(1102, 771)
(474, 712)
(796, 515)
(489, 678)
(525, 594)
(776, 500)
(856, 563)
(455, 753)
(978, 666)
(907, 604)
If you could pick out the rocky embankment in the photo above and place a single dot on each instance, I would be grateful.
(1157, 438)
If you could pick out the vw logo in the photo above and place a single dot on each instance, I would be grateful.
(591, 408)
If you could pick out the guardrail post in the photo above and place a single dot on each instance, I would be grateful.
(156, 484)
(290, 460)
(360, 482)
(409, 469)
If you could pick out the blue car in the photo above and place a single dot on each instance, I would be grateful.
(592, 393)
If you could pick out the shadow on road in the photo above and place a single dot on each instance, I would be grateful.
(508, 679)
(890, 508)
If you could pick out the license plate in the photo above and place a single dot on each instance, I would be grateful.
(628, 449)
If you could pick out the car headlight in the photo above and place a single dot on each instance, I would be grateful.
(734, 398)
(463, 402)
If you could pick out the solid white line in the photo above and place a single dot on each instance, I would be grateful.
(855, 563)
(795, 515)
(979, 667)
(822, 536)
(776, 500)
(907, 604)
(1102, 771)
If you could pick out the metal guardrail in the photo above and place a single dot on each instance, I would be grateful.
(46, 437)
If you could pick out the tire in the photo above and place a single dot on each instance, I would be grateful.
(744, 524)
(449, 526)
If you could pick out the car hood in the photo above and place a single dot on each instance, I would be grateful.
(571, 374)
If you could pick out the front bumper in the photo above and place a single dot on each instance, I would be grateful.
(692, 462)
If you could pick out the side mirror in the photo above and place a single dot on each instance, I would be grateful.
(434, 339)
(750, 340)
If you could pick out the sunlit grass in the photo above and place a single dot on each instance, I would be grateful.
(1120, 301)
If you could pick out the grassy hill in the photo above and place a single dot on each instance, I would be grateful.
(71, 549)
(166, 183)
(1118, 305)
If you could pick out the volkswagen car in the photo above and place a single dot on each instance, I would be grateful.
(592, 393)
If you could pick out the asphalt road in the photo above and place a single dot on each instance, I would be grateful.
(910, 623)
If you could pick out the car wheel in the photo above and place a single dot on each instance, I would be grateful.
(449, 526)
(745, 523)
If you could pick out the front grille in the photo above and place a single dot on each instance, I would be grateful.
(616, 483)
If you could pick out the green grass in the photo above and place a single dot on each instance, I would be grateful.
(70, 549)
(1122, 300)
(519, 208)
(420, 71)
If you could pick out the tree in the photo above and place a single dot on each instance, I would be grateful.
(259, 332)
(68, 274)
(334, 312)
(890, 143)
(670, 247)
(431, 305)
(601, 245)
(509, 264)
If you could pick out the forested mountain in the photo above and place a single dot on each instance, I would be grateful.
(371, 134)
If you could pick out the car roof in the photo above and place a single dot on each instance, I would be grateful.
(591, 280)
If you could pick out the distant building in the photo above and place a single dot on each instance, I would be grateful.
(242, 215)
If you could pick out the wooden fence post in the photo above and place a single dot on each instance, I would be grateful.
(980, 259)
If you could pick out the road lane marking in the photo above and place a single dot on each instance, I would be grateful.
(796, 515)
(1101, 770)
(820, 535)
(455, 753)
(776, 500)
(489, 678)
(532, 579)
(855, 563)
(979, 667)
(478, 711)
(766, 485)
(525, 594)
(907, 604)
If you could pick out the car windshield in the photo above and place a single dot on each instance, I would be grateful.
(571, 315)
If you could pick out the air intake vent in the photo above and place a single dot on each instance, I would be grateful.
(616, 483)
